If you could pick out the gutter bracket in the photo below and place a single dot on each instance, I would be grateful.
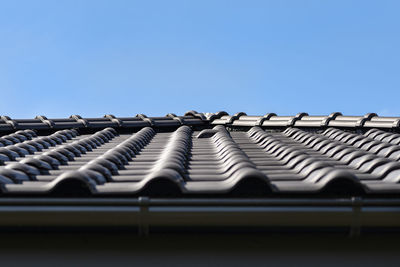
(143, 225)
(355, 227)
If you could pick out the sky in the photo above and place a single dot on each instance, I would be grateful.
(92, 58)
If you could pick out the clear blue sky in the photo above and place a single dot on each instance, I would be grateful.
(92, 58)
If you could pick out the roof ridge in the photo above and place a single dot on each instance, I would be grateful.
(194, 118)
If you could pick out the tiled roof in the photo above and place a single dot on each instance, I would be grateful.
(198, 155)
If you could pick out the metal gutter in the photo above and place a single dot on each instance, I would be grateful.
(144, 213)
(345, 201)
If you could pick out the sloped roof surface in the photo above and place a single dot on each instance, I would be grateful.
(201, 155)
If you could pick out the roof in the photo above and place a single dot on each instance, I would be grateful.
(201, 154)
(203, 159)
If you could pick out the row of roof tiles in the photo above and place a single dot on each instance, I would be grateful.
(336, 119)
(76, 121)
(210, 161)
